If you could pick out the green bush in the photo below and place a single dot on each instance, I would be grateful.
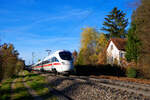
(131, 72)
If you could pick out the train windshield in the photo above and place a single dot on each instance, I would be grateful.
(65, 55)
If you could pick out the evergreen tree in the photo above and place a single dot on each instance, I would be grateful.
(133, 44)
(115, 23)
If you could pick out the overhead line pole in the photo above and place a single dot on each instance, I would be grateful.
(33, 58)
(48, 51)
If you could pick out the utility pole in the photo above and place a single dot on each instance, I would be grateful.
(48, 51)
(32, 58)
(29, 63)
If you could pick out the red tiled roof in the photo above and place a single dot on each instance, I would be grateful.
(120, 43)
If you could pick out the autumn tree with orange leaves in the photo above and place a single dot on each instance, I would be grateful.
(93, 45)
(10, 64)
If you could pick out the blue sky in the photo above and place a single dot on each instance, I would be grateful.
(38, 25)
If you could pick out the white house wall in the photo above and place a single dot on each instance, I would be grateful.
(112, 54)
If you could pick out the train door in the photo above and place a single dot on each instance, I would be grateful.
(56, 64)
(47, 65)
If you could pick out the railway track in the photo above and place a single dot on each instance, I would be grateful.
(137, 89)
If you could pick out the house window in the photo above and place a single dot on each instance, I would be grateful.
(121, 55)
(111, 47)
(112, 60)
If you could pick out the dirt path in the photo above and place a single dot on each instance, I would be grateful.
(13, 88)
(31, 91)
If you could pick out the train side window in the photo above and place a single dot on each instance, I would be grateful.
(43, 62)
(46, 61)
(56, 60)
(49, 61)
(53, 59)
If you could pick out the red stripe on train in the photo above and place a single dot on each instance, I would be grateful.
(57, 64)
(37, 66)
(47, 65)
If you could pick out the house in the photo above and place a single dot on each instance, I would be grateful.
(115, 50)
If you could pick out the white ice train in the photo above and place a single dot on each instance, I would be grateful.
(60, 61)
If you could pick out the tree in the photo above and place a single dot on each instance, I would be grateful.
(88, 46)
(115, 23)
(142, 21)
(101, 48)
(101, 42)
(133, 44)
(10, 64)
(0, 66)
(89, 37)
(80, 58)
(39, 60)
(102, 59)
(75, 54)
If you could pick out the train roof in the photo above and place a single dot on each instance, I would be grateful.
(55, 53)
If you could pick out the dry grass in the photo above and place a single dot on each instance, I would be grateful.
(142, 81)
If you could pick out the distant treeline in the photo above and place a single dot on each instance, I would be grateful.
(10, 64)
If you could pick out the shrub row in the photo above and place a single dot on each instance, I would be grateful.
(100, 70)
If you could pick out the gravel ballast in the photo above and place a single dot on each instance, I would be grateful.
(80, 89)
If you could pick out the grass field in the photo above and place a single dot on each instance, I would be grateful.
(5, 89)
(20, 92)
(39, 84)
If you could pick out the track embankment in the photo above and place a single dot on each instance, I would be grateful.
(86, 88)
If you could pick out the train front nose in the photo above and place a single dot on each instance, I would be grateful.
(66, 61)
(67, 66)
